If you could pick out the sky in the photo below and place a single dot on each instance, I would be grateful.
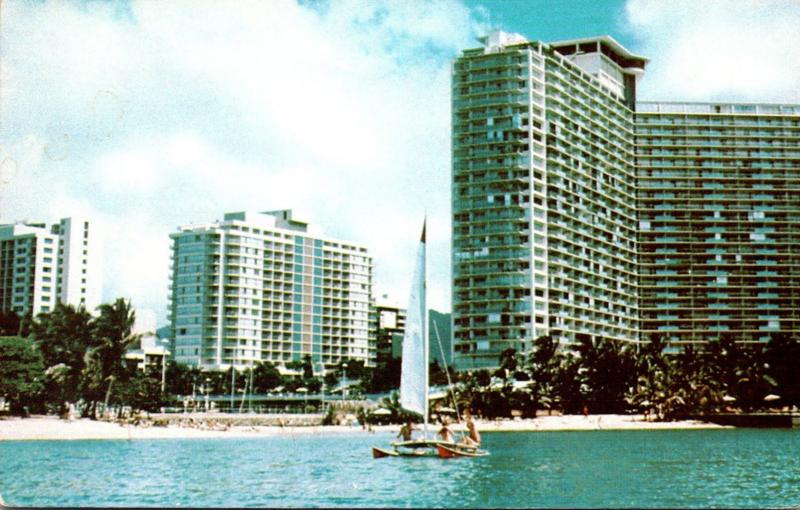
(144, 115)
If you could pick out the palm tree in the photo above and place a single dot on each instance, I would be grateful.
(542, 365)
(653, 371)
(113, 330)
(783, 357)
(694, 389)
(63, 337)
(606, 371)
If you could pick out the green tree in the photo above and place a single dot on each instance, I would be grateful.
(63, 337)
(266, 377)
(385, 377)
(21, 373)
(140, 391)
(783, 359)
(542, 365)
(436, 375)
(113, 330)
(693, 389)
(331, 380)
(651, 391)
(606, 372)
(568, 384)
(180, 378)
(9, 323)
(722, 358)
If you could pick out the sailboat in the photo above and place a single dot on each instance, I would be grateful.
(414, 374)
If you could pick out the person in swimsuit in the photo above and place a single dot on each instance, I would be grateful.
(445, 432)
(406, 430)
(474, 437)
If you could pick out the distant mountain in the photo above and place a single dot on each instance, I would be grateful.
(442, 321)
(163, 333)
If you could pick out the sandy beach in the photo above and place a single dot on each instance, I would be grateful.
(53, 428)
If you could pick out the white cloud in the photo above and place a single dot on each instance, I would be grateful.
(149, 115)
(719, 49)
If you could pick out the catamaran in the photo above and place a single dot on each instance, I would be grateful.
(414, 375)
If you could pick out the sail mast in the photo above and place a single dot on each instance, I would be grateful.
(425, 336)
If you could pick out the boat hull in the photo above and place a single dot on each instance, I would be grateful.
(426, 448)
(449, 451)
(380, 453)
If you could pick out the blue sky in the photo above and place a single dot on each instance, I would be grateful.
(145, 115)
(554, 20)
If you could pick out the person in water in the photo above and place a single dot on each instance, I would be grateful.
(406, 430)
(473, 438)
(445, 432)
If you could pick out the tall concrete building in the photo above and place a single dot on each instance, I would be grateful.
(719, 220)
(558, 179)
(267, 287)
(41, 266)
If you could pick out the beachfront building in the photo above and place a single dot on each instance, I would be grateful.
(42, 265)
(719, 220)
(581, 213)
(267, 287)
(544, 196)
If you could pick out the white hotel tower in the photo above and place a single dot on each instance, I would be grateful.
(267, 287)
(41, 266)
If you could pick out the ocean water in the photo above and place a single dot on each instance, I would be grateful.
(753, 468)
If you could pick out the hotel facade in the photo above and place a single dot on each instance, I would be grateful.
(267, 287)
(42, 265)
(579, 212)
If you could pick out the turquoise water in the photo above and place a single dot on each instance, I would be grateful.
(701, 468)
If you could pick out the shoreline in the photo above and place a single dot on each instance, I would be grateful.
(52, 428)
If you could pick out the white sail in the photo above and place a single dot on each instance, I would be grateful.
(414, 374)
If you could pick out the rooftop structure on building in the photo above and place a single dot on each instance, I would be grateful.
(42, 265)
(267, 287)
(581, 213)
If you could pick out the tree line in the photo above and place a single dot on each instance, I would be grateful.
(609, 377)
(69, 357)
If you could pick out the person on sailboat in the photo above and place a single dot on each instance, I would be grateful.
(445, 432)
(474, 437)
(406, 430)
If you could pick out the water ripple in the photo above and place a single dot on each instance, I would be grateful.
(644, 469)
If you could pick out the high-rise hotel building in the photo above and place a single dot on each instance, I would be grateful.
(267, 287)
(719, 220)
(41, 266)
(580, 213)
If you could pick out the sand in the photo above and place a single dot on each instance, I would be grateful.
(53, 428)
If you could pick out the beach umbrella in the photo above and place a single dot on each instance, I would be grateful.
(382, 411)
(728, 398)
(446, 410)
(771, 397)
